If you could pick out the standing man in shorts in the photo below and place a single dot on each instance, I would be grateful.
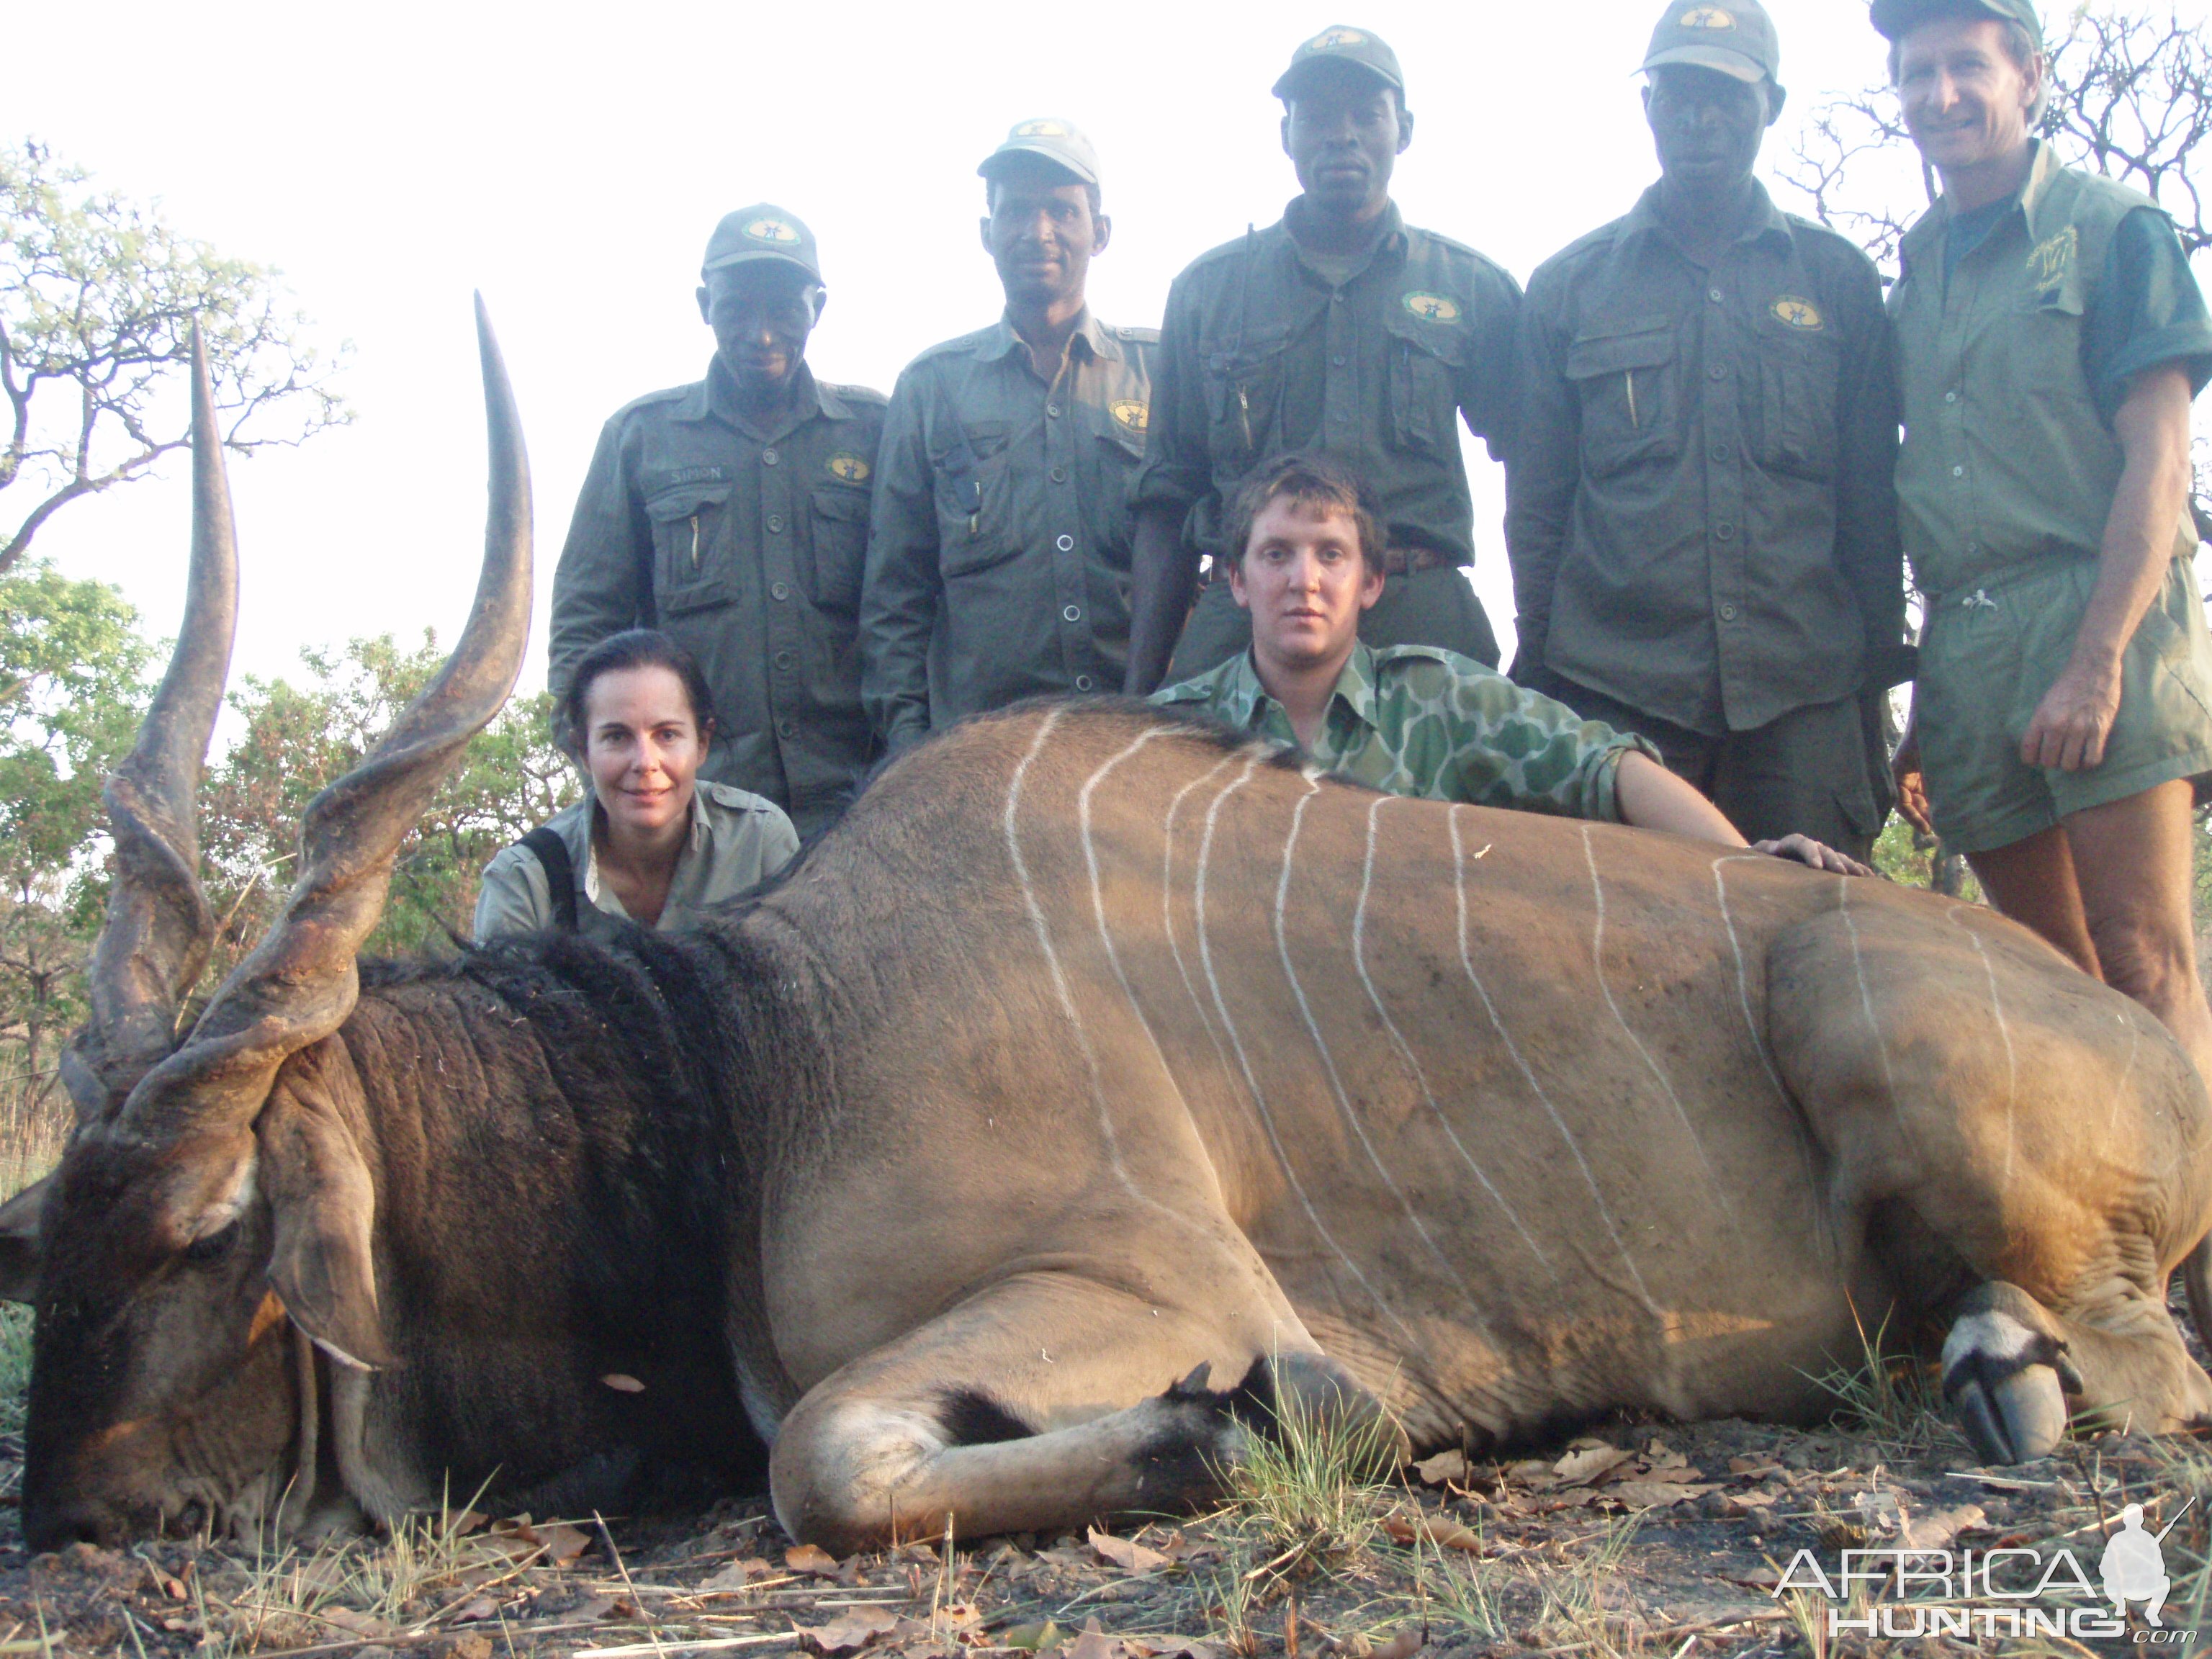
(2050, 340)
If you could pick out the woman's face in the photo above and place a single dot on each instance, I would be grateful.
(642, 746)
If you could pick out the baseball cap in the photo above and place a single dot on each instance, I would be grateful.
(1735, 37)
(1339, 44)
(1061, 142)
(762, 231)
(1892, 18)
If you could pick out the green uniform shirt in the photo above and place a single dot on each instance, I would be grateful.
(1264, 351)
(999, 556)
(748, 548)
(1701, 510)
(737, 839)
(2010, 458)
(1411, 719)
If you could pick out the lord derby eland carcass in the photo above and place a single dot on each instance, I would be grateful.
(1098, 1085)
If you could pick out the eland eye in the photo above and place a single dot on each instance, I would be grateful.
(216, 1246)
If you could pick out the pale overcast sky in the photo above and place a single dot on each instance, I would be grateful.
(570, 162)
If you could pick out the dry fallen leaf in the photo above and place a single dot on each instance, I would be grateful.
(1449, 1464)
(1032, 1639)
(1436, 1528)
(810, 1557)
(1579, 1468)
(352, 1622)
(1404, 1645)
(1091, 1644)
(849, 1631)
(1652, 1494)
(1757, 1467)
(738, 1574)
(1126, 1554)
(474, 1612)
(622, 1382)
(478, 1646)
(1935, 1530)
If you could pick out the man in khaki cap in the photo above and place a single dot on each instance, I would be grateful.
(1700, 510)
(1343, 329)
(998, 559)
(2050, 338)
(733, 514)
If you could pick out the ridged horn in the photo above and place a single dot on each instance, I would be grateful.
(154, 942)
(299, 982)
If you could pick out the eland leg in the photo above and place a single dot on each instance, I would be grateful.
(1036, 1405)
(2033, 1149)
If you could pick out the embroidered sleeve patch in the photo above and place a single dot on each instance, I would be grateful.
(1130, 413)
(1432, 308)
(849, 467)
(1799, 314)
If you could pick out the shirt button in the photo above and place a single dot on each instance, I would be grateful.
(1083, 682)
(1958, 471)
(1720, 452)
(779, 592)
(1066, 543)
(1714, 295)
(1072, 613)
(1060, 475)
(1724, 530)
(1950, 397)
(1728, 613)
(785, 730)
(1338, 360)
(783, 660)
(768, 458)
(776, 521)
(1052, 408)
(1343, 414)
(1973, 547)
(1716, 373)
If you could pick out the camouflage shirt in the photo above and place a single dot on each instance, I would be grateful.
(1414, 721)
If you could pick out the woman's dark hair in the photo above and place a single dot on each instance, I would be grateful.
(635, 648)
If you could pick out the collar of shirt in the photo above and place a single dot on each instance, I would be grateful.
(715, 398)
(2041, 170)
(1644, 219)
(694, 844)
(1247, 705)
(1390, 239)
(1000, 339)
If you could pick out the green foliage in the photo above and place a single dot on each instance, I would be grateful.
(98, 297)
(299, 738)
(1912, 860)
(72, 684)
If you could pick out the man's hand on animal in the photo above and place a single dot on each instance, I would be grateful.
(1911, 783)
(1817, 855)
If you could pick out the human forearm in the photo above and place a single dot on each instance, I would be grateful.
(1649, 797)
(2076, 714)
(1162, 576)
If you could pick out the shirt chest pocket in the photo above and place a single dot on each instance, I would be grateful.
(1426, 360)
(840, 547)
(1626, 384)
(690, 568)
(1244, 397)
(1116, 454)
(975, 499)
(1798, 377)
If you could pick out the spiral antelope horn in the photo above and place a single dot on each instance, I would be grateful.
(154, 944)
(299, 982)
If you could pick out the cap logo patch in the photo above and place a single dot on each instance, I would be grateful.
(1705, 17)
(1130, 413)
(849, 467)
(1336, 41)
(1432, 308)
(770, 230)
(1799, 314)
(1042, 130)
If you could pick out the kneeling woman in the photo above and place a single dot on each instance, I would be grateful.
(651, 844)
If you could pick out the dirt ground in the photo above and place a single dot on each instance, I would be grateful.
(1637, 1538)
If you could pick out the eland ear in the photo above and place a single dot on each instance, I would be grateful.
(323, 1265)
(19, 1241)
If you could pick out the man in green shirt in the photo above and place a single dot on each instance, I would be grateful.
(1700, 502)
(1413, 719)
(732, 514)
(1341, 329)
(998, 559)
(2050, 341)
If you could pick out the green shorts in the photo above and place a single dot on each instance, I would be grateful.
(1988, 655)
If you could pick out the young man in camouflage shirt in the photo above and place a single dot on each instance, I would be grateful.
(1413, 719)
